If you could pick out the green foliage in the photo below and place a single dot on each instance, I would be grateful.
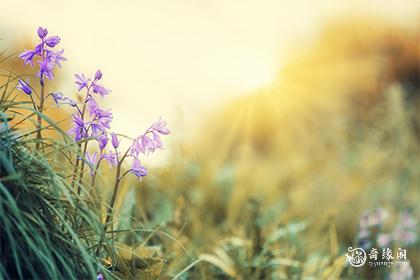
(257, 217)
(44, 226)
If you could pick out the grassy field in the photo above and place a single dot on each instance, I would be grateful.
(277, 184)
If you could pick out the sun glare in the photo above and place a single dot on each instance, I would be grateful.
(260, 74)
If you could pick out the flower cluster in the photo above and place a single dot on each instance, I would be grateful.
(89, 121)
(97, 126)
(370, 229)
(150, 140)
(402, 272)
(404, 232)
(99, 119)
(48, 58)
(370, 223)
(83, 82)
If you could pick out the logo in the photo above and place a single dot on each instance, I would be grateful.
(356, 257)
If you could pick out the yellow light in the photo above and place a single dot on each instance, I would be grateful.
(260, 74)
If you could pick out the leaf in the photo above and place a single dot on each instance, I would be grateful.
(216, 261)
(290, 229)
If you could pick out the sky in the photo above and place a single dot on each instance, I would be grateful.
(180, 58)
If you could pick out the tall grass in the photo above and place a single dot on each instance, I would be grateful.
(274, 184)
(52, 224)
(45, 227)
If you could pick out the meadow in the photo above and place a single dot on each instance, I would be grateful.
(277, 184)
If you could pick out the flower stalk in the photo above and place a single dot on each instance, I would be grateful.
(48, 60)
(89, 122)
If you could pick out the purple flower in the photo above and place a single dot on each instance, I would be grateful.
(384, 239)
(147, 144)
(137, 169)
(102, 91)
(96, 111)
(70, 101)
(102, 140)
(24, 86)
(363, 234)
(101, 119)
(52, 41)
(27, 56)
(91, 160)
(96, 128)
(48, 58)
(111, 158)
(81, 81)
(114, 140)
(38, 49)
(408, 221)
(100, 277)
(405, 231)
(46, 69)
(135, 148)
(104, 116)
(404, 236)
(98, 75)
(79, 127)
(160, 127)
(157, 141)
(373, 218)
(92, 106)
(42, 32)
(57, 96)
(55, 57)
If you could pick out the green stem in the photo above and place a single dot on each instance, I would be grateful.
(76, 165)
(92, 185)
(95, 173)
(108, 218)
(40, 108)
(76, 168)
(82, 169)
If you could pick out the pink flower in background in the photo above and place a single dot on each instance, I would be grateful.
(384, 239)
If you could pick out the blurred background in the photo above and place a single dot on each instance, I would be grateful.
(183, 58)
(291, 122)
